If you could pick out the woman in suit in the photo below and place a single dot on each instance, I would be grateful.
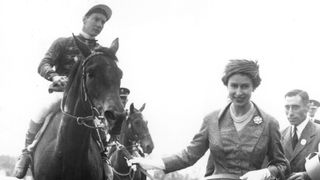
(239, 136)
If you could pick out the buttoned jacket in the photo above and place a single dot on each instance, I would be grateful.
(234, 153)
(61, 56)
(307, 143)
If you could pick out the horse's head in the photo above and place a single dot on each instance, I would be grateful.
(100, 79)
(136, 129)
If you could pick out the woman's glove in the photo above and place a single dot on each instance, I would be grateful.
(262, 174)
(148, 163)
(299, 176)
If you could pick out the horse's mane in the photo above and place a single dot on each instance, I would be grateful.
(73, 74)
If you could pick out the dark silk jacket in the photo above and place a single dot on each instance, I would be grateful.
(231, 152)
(61, 56)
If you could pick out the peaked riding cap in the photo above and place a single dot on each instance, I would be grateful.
(100, 8)
(124, 91)
(314, 103)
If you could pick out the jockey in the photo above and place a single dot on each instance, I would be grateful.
(56, 66)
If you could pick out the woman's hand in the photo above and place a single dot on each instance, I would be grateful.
(262, 174)
(299, 176)
(148, 163)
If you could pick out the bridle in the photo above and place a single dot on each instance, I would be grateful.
(95, 117)
(94, 111)
(136, 138)
(136, 151)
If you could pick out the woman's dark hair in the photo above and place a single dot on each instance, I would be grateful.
(245, 67)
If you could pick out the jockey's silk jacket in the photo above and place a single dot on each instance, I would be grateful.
(61, 56)
(234, 153)
(59, 59)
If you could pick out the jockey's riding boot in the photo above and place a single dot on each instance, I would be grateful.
(24, 160)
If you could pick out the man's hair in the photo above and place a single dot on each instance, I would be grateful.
(298, 92)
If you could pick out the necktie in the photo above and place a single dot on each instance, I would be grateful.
(294, 137)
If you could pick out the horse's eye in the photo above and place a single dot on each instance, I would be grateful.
(138, 123)
(90, 75)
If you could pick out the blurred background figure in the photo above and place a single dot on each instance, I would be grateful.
(124, 92)
(313, 107)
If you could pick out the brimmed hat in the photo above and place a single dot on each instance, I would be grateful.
(100, 8)
(124, 91)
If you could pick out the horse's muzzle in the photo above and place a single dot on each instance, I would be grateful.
(113, 115)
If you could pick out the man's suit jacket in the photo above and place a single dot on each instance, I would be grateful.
(230, 153)
(308, 143)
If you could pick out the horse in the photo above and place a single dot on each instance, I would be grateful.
(136, 140)
(68, 149)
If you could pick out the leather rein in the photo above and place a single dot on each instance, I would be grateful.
(96, 115)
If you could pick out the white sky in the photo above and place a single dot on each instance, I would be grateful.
(172, 53)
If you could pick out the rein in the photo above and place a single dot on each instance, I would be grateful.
(96, 116)
(136, 149)
(128, 156)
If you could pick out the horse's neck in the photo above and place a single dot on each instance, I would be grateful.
(72, 136)
(74, 143)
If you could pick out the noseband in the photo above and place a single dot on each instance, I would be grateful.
(135, 137)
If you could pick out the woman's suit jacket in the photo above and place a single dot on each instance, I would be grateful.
(232, 152)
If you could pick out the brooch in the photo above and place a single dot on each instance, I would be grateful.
(257, 120)
(303, 142)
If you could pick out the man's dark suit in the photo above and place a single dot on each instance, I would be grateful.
(308, 143)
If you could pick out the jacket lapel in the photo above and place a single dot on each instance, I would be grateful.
(306, 136)
(251, 133)
(216, 127)
(287, 143)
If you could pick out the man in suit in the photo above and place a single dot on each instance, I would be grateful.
(124, 93)
(313, 107)
(302, 137)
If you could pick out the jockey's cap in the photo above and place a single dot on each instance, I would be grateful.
(314, 103)
(100, 8)
(124, 91)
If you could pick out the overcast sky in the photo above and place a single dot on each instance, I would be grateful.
(172, 53)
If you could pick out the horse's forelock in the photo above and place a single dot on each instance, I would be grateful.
(108, 52)
(73, 74)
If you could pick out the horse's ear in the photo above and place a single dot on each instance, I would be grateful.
(115, 45)
(142, 108)
(85, 51)
(131, 108)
